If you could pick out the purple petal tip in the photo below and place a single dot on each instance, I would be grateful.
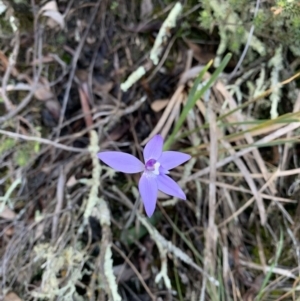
(122, 162)
(153, 148)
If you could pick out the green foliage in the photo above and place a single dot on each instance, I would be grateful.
(197, 91)
(269, 274)
(6, 145)
(114, 5)
(238, 5)
(22, 152)
(206, 19)
(289, 7)
(129, 236)
(260, 20)
(21, 158)
(25, 152)
(277, 21)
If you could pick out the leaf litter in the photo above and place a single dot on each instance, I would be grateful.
(74, 229)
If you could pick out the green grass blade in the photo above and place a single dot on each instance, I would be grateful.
(195, 94)
(268, 276)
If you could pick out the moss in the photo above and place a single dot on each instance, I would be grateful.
(206, 19)
(288, 7)
(280, 23)
(7, 144)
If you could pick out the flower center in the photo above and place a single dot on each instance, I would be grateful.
(153, 166)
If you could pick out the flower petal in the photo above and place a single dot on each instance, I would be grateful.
(148, 191)
(169, 186)
(121, 161)
(170, 159)
(153, 148)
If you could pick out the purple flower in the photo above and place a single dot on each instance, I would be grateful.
(154, 178)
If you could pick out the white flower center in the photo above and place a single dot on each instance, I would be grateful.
(152, 167)
(156, 168)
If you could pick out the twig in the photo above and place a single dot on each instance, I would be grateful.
(157, 237)
(73, 68)
(26, 100)
(168, 245)
(59, 201)
(241, 189)
(238, 65)
(211, 231)
(43, 141)
(11, 63)
(270, 137)
(243, 168)
(85, 105)
(287, 146)
(249, 138)
(248, 203)
(278, 271)
(138, 274)
(166, 113)
(175, 110)
(98, 208)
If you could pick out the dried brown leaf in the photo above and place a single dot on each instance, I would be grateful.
(7, 213)
(12, 297)
(43, 93)
(85, 104)
(9, 231)
(199, 54)
(43, 60)
(53, 107)
(55, 16)
(159, 104)
(50, 10)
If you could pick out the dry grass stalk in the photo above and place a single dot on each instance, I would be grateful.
(211, 231)
(280, 132)
(247, 136)
(97, 207)
(174, 99)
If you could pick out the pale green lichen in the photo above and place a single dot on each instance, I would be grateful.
(277, 66)
(295, 50)
(133, 78)
(260, 84)
(95, 181)
(109, 274)
(164, 33)
(97, 207)
(280, 21)
(230, 25)
(275, 27)
(13, 23)
(157, 48)
(222, 46)
(235, 89)
(163, 274)
(55, 261)
(4, 200)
